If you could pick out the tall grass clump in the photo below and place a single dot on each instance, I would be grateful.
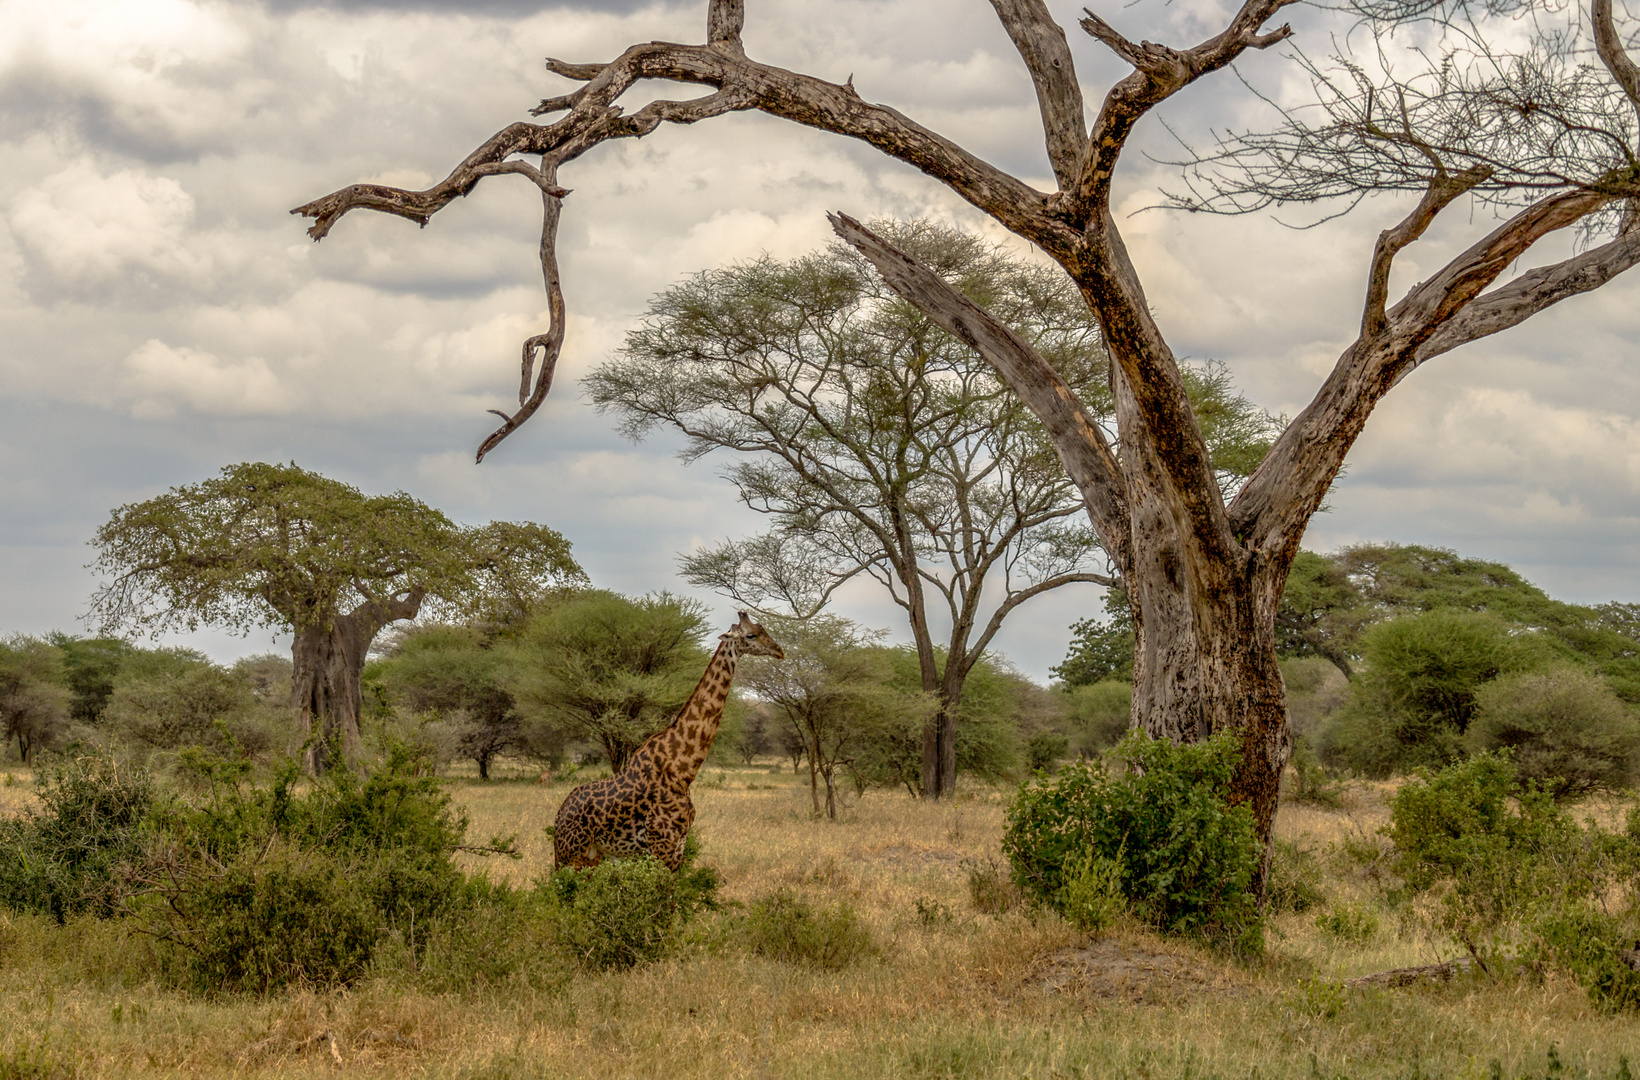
(1157, 826)
(786, 927)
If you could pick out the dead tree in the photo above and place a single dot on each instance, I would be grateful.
(1549, 139)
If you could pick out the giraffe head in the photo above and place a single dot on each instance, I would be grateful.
(752, 640)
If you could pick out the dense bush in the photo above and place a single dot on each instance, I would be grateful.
(1414, 701)
(1099, 714)
(1591, 944)
(1504, 853)
(1564, 728)
(785, 927)
(71, 855)
(625, 912)
(1188, 859)
(266, 885)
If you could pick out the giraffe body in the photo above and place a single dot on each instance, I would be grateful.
(645, 808)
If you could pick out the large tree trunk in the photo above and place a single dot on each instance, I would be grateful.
(326, 680)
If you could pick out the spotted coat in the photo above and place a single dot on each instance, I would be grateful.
(645, 807)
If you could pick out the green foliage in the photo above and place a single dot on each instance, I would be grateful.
(1100, 714)
(625, 912)
(72, 854)
(1351, 923)
(267, 885)
(224, 552)
(1563, 727)
(1504, 852)
(1591, 945)
(90, 666)
(461, 678)
(608, 668)
(786, 927)
(168, 699)
(34, 703)
(1091, 897)
(1188, 858)
(1044, 751)
(1100, 650)
(1417, 696)
(841, 695)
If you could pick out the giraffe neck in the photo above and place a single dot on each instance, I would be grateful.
(689, 737)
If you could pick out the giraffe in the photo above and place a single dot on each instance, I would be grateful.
(645, 807)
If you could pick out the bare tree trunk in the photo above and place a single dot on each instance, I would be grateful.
(814, 772)
(326, 690)
(327, 678)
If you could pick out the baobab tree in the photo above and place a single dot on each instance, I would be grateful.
(1544, 135)
(278, 546)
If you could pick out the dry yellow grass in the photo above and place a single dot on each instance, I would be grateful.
(969, 996)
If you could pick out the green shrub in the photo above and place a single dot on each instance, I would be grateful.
(1188, 859)
(264, 886)
(784, 927)
(1506, 850)
(1091, 898)
(71, 854)
(1044, 750)
(1565, 729)
(1591, 945)
(625, 912)
(1348, 922)
(1295, 879)
(1416, 694)
(1100, 714)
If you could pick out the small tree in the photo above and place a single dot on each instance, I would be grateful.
(275, 545)
(171, 698)
(34, 703)
(1417, 695)
(1564, 728)
(455, 674)
(835, 690)
(610, 669)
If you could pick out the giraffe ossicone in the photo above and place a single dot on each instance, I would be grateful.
(645, 808)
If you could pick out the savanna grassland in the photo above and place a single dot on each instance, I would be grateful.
(946, 992)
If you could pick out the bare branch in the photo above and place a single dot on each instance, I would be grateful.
(551, 342)
(1514, 303)
(1159, 73)
(1041, 44)
(1612, 53)
(724, 21)
(1080, 442)
(1442, 190)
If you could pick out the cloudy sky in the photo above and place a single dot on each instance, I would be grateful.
(162, 315)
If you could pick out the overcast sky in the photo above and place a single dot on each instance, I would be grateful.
(162, 315)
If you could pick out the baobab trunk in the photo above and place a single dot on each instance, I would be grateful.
(327, 678)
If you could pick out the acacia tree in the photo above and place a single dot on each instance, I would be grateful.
(1545, 135)
(880, 446)
(835, 691)
(883, 447)
(277, 546)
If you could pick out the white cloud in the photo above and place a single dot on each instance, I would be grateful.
(161, 379)
(84, 231)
